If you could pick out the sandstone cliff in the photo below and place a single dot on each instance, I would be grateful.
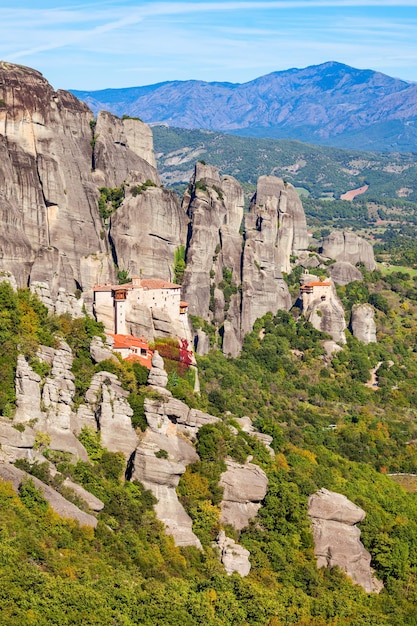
(232, 279)
(54, 157)
(48, 204)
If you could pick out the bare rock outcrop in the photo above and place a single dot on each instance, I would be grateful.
(362, 323)
(230, 279)
(343, 272)
(62, 303)
(16, 443)
(58, 503)
(49, 200)
(54, 157)
(165, 450)
(244, 487)
(214, 205)
(108, 411)
(275, 229)
(337, 539)
(122, 146)
(346, 246)
(234, 557)
(102, 351)
(28, 392)
(146, 246)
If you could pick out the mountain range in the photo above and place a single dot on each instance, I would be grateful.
(329, 104)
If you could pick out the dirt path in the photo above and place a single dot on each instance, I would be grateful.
(349, 195)
(373, 381)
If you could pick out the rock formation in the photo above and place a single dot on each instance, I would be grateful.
(16, 444)
(234, 557)
(54, 157)
(343, 272)
(321, 306)
(145, 246)
(212, 277)
(108, 411)
(223, 284)
(62, 303)
(336, 537)
(244, 488)
(49, 410)
(362, 323)
(168, 421)
(275, 228)
(48, 203)
(346, 246)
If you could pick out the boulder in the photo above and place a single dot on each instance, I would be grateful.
(337, 539)
(234, 557)
(362, 323)
(343, 272)
(15, 443)
(101, 352)
(244, 487)
(346, 246)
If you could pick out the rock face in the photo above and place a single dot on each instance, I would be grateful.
(54, 157)
(275, 228)
(146, 246)
(343, 272)
(214, 206)
(337, 539)
(234, 557)
(244, 487)
(346, 246)
(108, 411)
(168, 421)
(232, 280)
(362, 323)
(58, 503)
(48, 205)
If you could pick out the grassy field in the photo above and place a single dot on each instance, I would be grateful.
(384, 269)
(407, 481)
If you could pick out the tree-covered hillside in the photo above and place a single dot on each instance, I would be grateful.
(321, 171)
(329, 430)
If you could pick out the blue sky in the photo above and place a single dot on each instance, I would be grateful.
(95, 45)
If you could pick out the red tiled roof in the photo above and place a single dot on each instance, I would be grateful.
(157, 283)
(143, 360)
(145, 283)
(315, 284)
(182, 303)
(129, 341)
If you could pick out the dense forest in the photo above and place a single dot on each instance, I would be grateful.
(329, 430)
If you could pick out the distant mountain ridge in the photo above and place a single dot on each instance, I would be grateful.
(329, 104)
